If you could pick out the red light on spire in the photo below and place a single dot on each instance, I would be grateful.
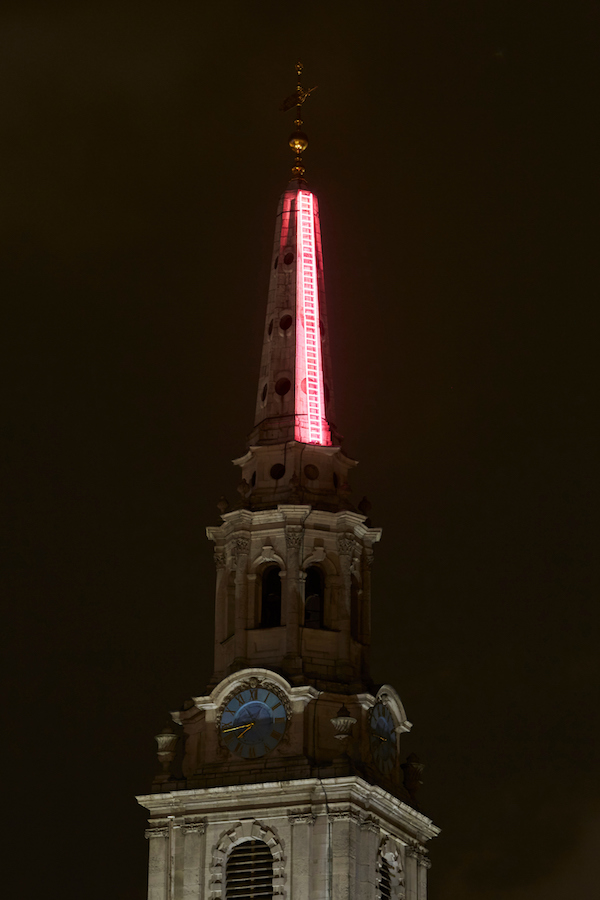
(311, 424)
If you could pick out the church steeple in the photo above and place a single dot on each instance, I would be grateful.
(288, 777)
(295, 394)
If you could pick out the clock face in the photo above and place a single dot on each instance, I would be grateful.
(382, 738)
(253, 722)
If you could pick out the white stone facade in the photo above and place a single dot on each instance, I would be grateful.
(327, 837)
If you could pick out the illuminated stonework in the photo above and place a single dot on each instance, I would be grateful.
(311, 424)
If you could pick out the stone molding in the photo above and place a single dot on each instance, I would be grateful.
(161, 831)
(418, 852)
(220, 560)
(293, 538)
(350, 815)
(245, 831)
(370, 823)
(345, 545)
(301, 817)
(239, 546)
(194, 825)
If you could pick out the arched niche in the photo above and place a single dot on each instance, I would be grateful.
(270, 596)
(314, 597)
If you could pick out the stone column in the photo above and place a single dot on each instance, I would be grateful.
(319, 858)
(300, 862)
(220, 606)
(366, 875)
(344, 827)
(423, 863)
(366, 597)
(345, 544)
(412, 886)
(158, 863)
(252, 614)
(293, 600)
(193, 858)
(241, 548)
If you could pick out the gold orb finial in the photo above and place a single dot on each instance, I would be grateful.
(298, 140)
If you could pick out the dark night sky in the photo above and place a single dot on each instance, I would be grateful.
(455, 156)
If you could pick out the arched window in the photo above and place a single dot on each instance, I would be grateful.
(314, 598)
(249, 872)
(230, 604)
(270, 610)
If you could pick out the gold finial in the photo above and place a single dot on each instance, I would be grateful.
(298, 140)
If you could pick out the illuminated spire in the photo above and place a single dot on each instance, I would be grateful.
(294, 391)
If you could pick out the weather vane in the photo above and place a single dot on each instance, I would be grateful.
(298, 140)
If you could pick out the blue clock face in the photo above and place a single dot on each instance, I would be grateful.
(382, 738)
(253, 722)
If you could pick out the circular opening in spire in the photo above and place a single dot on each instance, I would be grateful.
(285, 322)
(311, 472)
(282, 386)
(288, 259)
(277, 471)
(270, 328)
(264, 393)
(276, 261)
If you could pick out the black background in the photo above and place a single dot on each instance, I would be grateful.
(454, 153)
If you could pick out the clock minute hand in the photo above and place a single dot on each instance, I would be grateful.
(237, 728)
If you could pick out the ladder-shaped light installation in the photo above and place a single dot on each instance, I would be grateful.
(311, 424)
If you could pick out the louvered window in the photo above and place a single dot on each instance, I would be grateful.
(385, 885)
(249, 873)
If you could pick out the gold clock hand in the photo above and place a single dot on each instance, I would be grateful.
(237, 728)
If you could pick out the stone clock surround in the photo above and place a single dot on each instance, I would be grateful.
(308, 747)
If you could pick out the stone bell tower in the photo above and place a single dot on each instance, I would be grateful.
(284, 780)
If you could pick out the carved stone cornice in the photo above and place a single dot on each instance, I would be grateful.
(194, 826)
(345, 544)
(349, 815)
(301, 817)
(161, 831)
(416, 851)
(293, 538)
(370, 823)
(239, 546)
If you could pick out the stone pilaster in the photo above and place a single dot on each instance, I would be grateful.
(241, 547)
(412, 880)
(367, 852)
(293, 601)
(345, 546)
(193, 832)
(158, 864)
(221, 598)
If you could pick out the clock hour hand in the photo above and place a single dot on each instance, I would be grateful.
(246, 728)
